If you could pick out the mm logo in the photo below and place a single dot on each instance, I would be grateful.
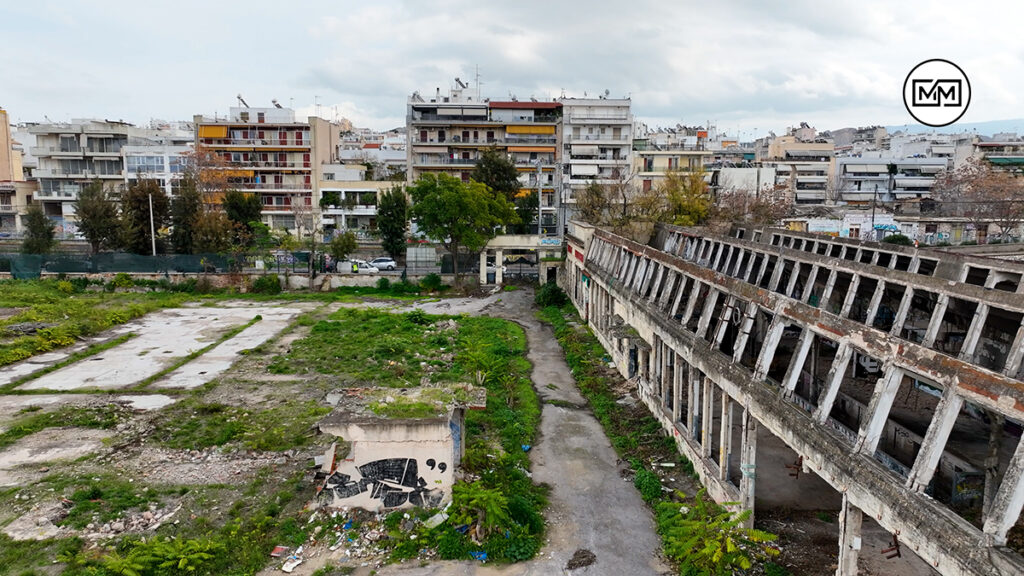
(945, 92)
(936, 92)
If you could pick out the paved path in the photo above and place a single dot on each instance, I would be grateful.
(591, 506)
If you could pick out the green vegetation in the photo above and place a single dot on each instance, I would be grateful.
(192, 424)
(647, 483)
(267, 284)
(102, 418)
(102, 498)
(898, 239)
(67, 316)
(550, 295)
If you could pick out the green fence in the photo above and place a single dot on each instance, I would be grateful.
(28, 266)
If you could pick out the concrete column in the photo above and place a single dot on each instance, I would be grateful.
(878, 409)
(832, 382)
(725, 437)
(499, 258)
(1013, 360)
(830, 285)
(1009, 499)
(692, 302)
(707, 401)
(748, 464)
(678, 368)
(771, 341)
(735, 272)
(653, 277)
(935, 440)
(812, 277)
(850, 520)
(901, 312)
(973, 333)
(935, 321)
(765, 258)
(851, 295)
(745, 326)
(796, 363)
(780, 265)
(750, 266)
(723, 322)
(793, 277)
(693, 387)
(680, 291)
(876, 301)
(709, 309)
(671, 279)
(665, 379)
(483, 266)
(718, 256)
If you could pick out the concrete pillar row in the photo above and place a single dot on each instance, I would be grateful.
(692, 302)
(851, 519)
(974, 332)
(796, 363)
(793, 277)
(876, 301)
(812, 277)
(678, 369)
(902, 311)
(780, 265)
(771, 342)
(723, 322)
(707, 401)
(1013, 360)
(746, 325)
(830, 285)
(851, 295)
(693, 387)
(680, 292)
(483, 266)
(707, 312)
(499, 258)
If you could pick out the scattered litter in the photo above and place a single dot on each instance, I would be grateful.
(668, 464)
(292, 563)
(462, 529)
(479, 555)
(347, 526)
(437, 519)
(278, 551)
(526, 447)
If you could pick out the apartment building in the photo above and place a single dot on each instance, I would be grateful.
(70, 155)
(348, 200)
(865, 179)
(597, 145)
(15, 192)
(1004, 151)
(803, 163)
(268, 152)
(447, 134)
(680, 149)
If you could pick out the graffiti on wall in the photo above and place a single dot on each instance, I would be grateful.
(394, 481)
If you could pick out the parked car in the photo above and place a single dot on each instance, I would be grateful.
(363, 267)
(384, 263)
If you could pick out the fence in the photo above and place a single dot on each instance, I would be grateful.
(28, 266)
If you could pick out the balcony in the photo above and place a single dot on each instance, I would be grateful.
(623, 140)
(7, 209)
(44, 151)
(593, 117)
(245, 186)
(470, 162)
(351, 210)
(256, 142)
(269, 165)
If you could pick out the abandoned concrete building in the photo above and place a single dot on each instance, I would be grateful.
(891, 376)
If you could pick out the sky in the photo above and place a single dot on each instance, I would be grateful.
(746, 66)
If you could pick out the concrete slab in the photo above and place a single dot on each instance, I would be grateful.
(50, 445)
(163, 338)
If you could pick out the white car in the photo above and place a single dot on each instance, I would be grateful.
(384, 263)
(362, 267)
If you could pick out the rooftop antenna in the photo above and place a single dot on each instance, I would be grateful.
(242, 101)
(316, 103)
(274, 102)
(476, 79)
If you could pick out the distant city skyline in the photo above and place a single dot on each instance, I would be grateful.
(747, 67)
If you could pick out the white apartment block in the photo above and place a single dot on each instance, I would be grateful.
(597, 145)
(865, 179)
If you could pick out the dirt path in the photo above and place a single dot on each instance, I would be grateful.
(591, 507)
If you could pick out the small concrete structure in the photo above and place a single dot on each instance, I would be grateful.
(545, 246)
(393, 461)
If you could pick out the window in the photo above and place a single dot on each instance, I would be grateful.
(244, 116)
(423, 135)
(261, 117)
(329, 176)
(145, 164)
(305, 160)
(298, 138)
(69, 144)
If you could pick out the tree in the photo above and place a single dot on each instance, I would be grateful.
(498, 172)
(457, 214)
(98, 218)
(526, 209)
(39, 232)
(209, 171)
(620, 206)
(186, 208)
(135, 215)
(766, 207)
(983, 195)
(393, 220)
(212, 232)
(242, 209)
(343, 244)
(686, 193)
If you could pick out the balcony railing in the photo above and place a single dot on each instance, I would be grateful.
(596, 137)
(270, 142)
(266, 164)
(270, 186)
(513, 140)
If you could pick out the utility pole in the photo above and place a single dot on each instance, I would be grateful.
(152, 228)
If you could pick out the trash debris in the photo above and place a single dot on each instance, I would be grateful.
(278, 551)
(292, 563)
(667, 464)
(437, 519)
(479, 555)
(526, 447)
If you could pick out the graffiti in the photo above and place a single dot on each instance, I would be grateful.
(394, 481)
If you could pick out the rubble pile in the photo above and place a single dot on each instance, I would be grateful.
(207, 466)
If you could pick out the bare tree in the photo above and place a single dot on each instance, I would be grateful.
(983, 195)
(766, 207)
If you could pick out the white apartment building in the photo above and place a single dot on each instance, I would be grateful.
(597, 145)
(866, 179)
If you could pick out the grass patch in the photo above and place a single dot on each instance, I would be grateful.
(102, 418)
(193, 424)
(73, 358)
(101, 499)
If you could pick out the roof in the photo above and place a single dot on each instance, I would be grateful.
(526, 105)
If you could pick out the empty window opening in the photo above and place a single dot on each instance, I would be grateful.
(858, 383)
(698, 308)
(888, 306)
(755, 341)
(684, 391)
(787, 271)
(851, 253)
(784, 353)
(758, 260)
(766, 278)
(653, 270)
(822, 248)
(811, 381)
(996, 338)
(884, 259)
(776, 239)
(979, 437)
(732, 325)
(907, 424)
(955, 323)
(976, 276)
(862, 301)
(686, 285)
(787, 242)
(808, 246)
(903, 263)
(922, 306)
(1005, 281)
(818, 288)
(927, 267)
(834, 304)
(803, 275)
(744, 262)
(836, 250)
(866, 256)
(716, 316)
(716, 423)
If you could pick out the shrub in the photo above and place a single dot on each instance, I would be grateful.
(404, 287)
(898, 239)
(550, 295)
(383, 284)
(648, 484)
(431, 282)
(122, 280)
(65, 287)
(268, 284)
(418, 317)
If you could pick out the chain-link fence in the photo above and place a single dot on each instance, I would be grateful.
(27, 266)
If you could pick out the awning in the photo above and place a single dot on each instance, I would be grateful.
(529, 129)
(531, 149)
(584, 169)
(213, 131)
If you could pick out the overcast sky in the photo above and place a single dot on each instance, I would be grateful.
(747, 66)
